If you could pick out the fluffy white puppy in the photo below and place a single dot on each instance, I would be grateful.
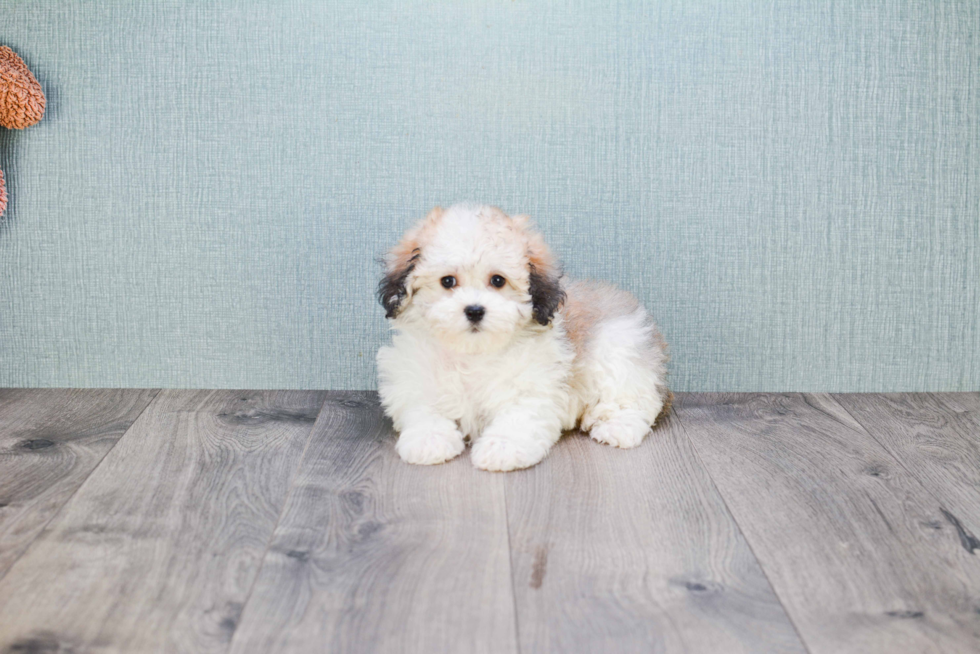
(492, 346)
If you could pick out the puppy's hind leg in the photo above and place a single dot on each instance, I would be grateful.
(624, 375)
(616, 425)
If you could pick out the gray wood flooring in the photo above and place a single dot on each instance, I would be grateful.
(283, 521)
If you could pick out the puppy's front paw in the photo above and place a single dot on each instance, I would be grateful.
(503, 453)
(429, 445)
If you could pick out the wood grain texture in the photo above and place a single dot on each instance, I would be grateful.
(374, 555)
(634, 551)
(858, 551)
(971, 400)
(965, 402)
(159, 548)
(937, 439)
(50, 440)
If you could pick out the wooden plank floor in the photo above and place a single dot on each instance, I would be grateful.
(262, 521)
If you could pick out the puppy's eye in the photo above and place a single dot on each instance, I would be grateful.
(448, 281)
(497, 281)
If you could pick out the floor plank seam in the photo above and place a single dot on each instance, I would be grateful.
(513, 582)
(156, 394)
(675, 413)
(282, 509)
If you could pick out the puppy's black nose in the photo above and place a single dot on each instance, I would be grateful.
(474, 313)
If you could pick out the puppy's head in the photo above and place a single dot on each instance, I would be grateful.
(473, 276)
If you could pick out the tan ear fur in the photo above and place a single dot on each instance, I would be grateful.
(393, 289)
(544, 273)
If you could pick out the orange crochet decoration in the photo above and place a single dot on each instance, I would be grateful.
(21, 100)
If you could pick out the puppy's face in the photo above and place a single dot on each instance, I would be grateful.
(472, 276)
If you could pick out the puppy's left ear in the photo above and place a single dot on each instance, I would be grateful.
(544, 278)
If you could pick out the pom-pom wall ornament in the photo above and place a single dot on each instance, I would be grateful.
(21, 98)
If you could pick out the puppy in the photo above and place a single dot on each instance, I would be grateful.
(491, 345)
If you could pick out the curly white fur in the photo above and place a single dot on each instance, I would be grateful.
(547, 356)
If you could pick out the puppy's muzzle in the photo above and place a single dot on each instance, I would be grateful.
(474, 313)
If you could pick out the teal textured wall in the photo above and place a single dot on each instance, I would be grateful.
(793, 189)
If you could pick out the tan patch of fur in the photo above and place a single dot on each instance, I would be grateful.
(589, 303)
(401, 255)
(538, 253)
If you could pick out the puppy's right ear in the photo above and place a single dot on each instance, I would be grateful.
(400, 261)
(392, 289)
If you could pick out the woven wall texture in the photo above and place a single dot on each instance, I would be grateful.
(793, 189)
